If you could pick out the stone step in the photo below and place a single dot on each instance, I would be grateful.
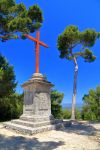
(32, 124)
(30, 130)
(31, 118)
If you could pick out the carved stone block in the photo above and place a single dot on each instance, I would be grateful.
(37, 102)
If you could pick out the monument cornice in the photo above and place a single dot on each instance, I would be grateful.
(36, 81)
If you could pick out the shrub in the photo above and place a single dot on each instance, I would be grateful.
(11, 107)
(91, 108)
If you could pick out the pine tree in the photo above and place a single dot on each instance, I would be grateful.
(70, 39)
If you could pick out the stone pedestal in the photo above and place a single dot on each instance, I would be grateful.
(36, 115)
(37, 102)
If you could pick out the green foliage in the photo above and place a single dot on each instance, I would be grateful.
(56, 107)
(78, 114)
(71, 38)
(35, 13)
(11, 107)
(15, 19)
(7, 78)
(88, 37)
(1, 73)
(91, 108)
(10, 102)
(88, 56)
(66, 114)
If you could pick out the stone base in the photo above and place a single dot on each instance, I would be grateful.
(30, 127)
(35, 118)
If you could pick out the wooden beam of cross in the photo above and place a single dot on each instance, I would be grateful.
(37, 48)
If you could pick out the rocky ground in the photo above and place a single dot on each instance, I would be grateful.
(79, 136)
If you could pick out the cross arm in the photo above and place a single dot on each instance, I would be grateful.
(30, 37)
(43, 44)
(36, 40)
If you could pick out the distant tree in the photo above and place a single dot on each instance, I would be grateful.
(7, 78)
(56, 100)
(78, 114)
(66, 113)
(71, 40)
(91, 108)
(15, 19)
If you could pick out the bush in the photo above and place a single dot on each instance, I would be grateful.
(11, 107)
(91, 108)
(66, 113)
(78, 114)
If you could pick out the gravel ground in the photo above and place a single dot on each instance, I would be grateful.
(79, 136)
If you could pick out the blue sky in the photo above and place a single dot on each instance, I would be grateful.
(57, 15)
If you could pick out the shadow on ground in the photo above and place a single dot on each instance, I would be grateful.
(19, 143)
(80, 128)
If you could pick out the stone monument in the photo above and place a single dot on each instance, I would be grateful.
(36, 115)
(37, 103)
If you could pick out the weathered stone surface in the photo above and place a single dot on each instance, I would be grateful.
(37, 103)
(31, 130)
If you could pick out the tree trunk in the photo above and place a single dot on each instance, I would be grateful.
(74, 90)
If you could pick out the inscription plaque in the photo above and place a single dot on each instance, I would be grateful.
(28, 98)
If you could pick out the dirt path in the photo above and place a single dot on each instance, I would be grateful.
(76, 137)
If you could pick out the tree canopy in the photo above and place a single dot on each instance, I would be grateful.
(71, 38)
(7, 78)
(16, 20)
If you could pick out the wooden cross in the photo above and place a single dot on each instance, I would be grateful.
(37, 48)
